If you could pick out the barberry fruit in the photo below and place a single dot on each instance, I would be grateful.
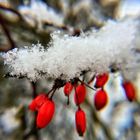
(101, 80)
(37, 102)
(100, 99)
(68, 88)
(45, 114)
(80, 120)
(129, 90)
(80, 94)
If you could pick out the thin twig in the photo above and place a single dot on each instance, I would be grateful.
(52, 94)
(87, 85)
(50, 91)
(7, 33)
(8, 75)
(77, 98)
(92, 78)
(34, 130)
(11, 10)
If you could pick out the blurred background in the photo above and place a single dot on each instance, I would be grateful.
(26, 22)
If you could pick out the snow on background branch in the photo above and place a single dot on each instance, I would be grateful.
(67, 56)
(41, 13)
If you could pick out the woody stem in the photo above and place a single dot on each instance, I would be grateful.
(92, 78)
(52, 94)
(34, 129)
(50, 91)
(76, 97)
(7, 33)
(86, 85)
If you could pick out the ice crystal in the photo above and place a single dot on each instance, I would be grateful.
(67, 56)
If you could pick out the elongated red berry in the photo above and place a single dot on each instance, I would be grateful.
(101, 80)
(80, 120)
(129, 90)
(37, 102)
(68, 88)
(100, 99)
(45, 114)
(80, 94)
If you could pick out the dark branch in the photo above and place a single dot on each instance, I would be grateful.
(8, 75)
(7, 33)
(11, 10)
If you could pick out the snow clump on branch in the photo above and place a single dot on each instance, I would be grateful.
(67, 56)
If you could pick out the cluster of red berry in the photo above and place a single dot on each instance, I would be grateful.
(46, 107)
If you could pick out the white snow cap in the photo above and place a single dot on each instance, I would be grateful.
(68, 55)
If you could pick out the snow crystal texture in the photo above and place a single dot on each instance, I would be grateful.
(67, 56)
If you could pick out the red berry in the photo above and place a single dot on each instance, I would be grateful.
(45, 114)
(68, 88)
(101, 80)
(129, 90)
(100, 99)
(80, 120)
(80, 94)
(37, 102)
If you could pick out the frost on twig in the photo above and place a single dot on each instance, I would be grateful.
(67, 56)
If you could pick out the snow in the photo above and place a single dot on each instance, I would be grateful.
(8, 120)
(67, 55)
(41, 12)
